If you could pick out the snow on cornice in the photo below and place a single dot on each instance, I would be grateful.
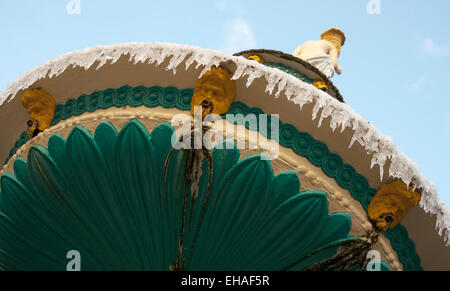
(298, 92)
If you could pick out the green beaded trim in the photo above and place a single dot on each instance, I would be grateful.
(300, 142)
(290, 71)
(150, 97)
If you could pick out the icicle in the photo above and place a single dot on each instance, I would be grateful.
(379, 159)
(239, 71)
(281, 86)
(175, 61)
(190, 61)
(289, 91)
(326, 111)
(272, 80)
(317, 106)
(358, 134)
(252, 75)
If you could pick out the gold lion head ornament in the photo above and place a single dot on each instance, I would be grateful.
(214, 92)
(41, 106)
(391, 204)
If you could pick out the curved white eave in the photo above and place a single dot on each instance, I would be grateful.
(341, 115)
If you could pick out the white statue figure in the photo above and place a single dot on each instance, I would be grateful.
(324, 53)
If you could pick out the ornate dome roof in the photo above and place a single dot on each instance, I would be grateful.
(319, 133)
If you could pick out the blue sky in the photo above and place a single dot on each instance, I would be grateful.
(396, 63)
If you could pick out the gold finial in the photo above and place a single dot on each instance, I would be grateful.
(214, 92)
(335, 36)
(256, 58)
(321, 85)
(41, 106)
(391, 203)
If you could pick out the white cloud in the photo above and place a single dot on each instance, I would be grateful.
(238, 36)
(433, 49)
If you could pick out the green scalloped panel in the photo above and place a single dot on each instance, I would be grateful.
(301, 143)
(125, 215)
